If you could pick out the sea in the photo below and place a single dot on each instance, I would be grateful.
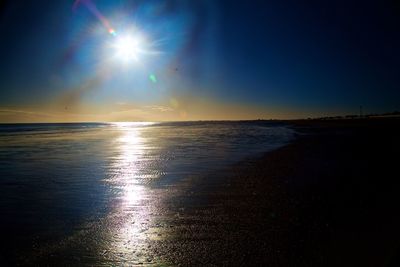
(58, 181)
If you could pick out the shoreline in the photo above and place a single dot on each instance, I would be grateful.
(327, 199)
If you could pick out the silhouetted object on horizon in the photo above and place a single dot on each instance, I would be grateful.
(360, 115)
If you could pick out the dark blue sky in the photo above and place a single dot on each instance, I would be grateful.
(337, 53)
(319, 57)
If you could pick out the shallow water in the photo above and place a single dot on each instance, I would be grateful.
(94, 191)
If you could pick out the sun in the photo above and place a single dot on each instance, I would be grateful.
(127, 47)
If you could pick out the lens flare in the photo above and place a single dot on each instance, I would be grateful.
(153, 78)
(112, 32)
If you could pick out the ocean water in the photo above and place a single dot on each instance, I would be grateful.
(57, 179)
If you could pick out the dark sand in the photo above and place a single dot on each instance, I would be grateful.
(328, 199)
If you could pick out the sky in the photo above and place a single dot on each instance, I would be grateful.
(153, 60)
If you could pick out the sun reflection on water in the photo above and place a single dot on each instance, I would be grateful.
(128, 164)
(132, 215)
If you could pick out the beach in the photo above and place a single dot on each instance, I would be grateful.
(327, 198)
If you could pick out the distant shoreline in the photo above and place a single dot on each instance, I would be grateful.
(394, 115)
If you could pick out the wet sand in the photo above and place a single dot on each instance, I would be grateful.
(328, 199)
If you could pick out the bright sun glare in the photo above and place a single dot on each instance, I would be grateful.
(127, 47)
